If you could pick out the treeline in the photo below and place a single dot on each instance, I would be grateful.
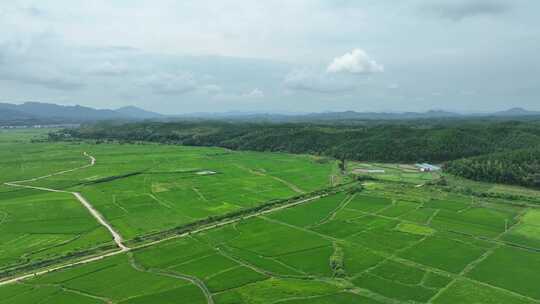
(382, 143)
(521, 167)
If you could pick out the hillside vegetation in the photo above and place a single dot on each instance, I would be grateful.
(520, 167)
(490, 144)
(386, 143)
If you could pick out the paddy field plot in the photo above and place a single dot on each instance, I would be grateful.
(527, 231)
(37, 225)
(113, 280)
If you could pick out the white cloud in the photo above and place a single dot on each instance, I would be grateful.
(255, 93)
(100, 53)
(355, 62)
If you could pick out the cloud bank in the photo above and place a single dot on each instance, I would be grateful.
(356, 62)
(190, 56)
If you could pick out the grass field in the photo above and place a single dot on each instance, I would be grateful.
(393, 242)
(138, 188)
(279, 258)
(148, 188)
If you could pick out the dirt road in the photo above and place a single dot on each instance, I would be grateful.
(116, 236)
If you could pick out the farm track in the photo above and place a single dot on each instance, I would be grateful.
(343, 205)
(116, 236)
(186, 234)
(195, 281)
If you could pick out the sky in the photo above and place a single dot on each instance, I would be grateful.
(280, 56)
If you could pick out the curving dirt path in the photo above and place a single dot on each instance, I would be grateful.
(193, 280)
(116, 236)
(106, 255)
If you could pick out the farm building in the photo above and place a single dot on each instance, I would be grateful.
(358, 171)
(425, 167)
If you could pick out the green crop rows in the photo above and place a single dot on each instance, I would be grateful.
(392, 242)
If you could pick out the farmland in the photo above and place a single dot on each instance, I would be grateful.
(396, 239)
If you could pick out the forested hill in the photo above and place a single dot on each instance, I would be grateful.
(393, 142)
(520, 167)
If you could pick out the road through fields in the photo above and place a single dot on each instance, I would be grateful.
(116, 236)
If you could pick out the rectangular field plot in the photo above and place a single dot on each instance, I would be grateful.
(358, 259)
(116, 279)
(476, 221)
(341, 228)
(399, 208)
(421, 215)
(312, 213)
(383, 236)
(512, 269)
(314, 261)
(268, 264)
(16, 294)
(454, 203)
(409, 275)
(443, 253)
(338, 298)
(369, 203)
(38, 225)
(233, 278)
(463, 291)
(402, 282)
(276, 290)
(527, 231)
(399, 273)
(271, 239)
(394, 290)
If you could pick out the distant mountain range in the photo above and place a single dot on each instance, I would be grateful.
(516, 112)
(48, 113)
(31, 113)
(351, 116)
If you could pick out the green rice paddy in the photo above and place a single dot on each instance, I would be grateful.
(393, 242)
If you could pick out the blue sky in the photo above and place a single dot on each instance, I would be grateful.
(273, 56)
